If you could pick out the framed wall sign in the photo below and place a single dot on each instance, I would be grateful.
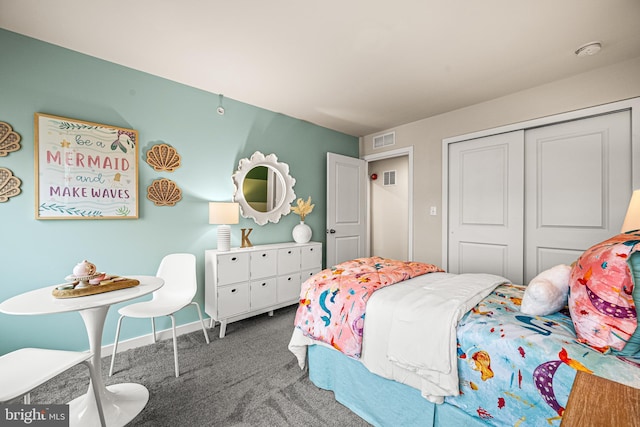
(85, 170)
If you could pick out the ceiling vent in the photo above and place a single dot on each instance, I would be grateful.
(384, 140)
(390, 178)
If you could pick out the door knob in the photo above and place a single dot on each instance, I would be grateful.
(332, 231)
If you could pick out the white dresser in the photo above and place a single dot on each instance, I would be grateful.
(245, 282)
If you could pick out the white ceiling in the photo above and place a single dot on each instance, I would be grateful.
(356, 66)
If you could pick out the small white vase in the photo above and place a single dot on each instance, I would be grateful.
(301, 233)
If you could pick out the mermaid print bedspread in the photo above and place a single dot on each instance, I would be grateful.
(518, 370)
(333, 301)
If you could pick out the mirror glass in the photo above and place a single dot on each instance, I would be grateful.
(263, 188)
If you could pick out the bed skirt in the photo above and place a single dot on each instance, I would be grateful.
(377, 400)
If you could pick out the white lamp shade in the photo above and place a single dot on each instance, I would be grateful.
(632, 219)
(223, 213)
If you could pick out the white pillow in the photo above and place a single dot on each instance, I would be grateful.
(547, 293)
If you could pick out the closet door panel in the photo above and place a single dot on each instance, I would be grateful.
(571, 192)
(577, 187)
(483, 258)
(486, 178)
(549, 257)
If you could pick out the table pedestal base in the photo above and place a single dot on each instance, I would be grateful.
(121, 404)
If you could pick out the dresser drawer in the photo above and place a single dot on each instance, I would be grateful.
(311, 257)
(309, 273)
(233, 268)
(233, 300)
(264, 263)
(289, 287)
(263, 293)
(288, 260)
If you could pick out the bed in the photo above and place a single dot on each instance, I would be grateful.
(507, 368)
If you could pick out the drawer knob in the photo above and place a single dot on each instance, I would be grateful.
(289, 278)
(264, 284)
(311, 250)
(233, 290)
(289, 252)
(264, 255)
(234, 259)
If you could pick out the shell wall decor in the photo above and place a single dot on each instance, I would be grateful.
(164, 192)
(163, 157)
(9, 140)
(9, 185)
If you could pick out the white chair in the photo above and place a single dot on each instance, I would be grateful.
(23, 370)
(180, 286)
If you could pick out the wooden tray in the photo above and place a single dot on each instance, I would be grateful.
(104, 286)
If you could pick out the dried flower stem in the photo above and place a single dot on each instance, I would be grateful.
(303, 209)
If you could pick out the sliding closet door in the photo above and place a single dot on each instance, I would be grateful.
(486, 178)
(578, 185)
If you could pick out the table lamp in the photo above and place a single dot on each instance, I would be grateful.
(223, 214)
(632, 219)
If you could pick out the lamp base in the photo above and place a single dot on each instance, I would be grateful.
(224, 238)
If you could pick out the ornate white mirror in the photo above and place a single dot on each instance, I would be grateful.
(263, 188)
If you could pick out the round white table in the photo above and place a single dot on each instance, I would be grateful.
(121, 402)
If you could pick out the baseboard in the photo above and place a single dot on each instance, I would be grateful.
(164, 334)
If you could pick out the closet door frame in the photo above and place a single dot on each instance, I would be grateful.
(632, 105)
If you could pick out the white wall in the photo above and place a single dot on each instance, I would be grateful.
(389, 220)
(608, 84)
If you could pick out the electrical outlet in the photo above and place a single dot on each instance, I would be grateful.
(433, 211)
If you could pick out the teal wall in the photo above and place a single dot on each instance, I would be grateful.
(39, 77)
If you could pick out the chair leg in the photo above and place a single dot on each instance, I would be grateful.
(206, 336)
(175, 344)
(153, 329)
(115, 345)
(96, 392)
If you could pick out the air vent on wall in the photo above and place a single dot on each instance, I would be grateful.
(390, 178)
(384, 140)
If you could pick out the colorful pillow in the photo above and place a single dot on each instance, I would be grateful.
(632, 349)
(601, 300)
(547, 292)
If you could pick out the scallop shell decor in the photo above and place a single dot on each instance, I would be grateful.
(164, 192)
(9, 185)
(9, 140)
(163, 157)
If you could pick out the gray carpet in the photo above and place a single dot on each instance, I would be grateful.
(248, 378)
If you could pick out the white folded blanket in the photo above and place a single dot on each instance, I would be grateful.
(423, 329)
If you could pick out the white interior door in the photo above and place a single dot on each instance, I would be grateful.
(346, 208)
(578, 185)
(486, 206)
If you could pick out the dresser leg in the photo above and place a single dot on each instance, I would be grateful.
(223, 328)
(270, 314)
